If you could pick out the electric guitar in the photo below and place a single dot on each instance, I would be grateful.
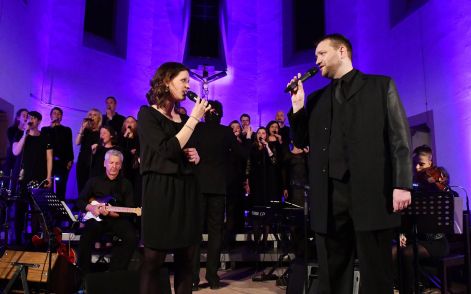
(89, 215)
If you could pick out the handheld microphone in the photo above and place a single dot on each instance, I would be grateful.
(129, 127)
(310, 73)
(87, 119)
(30, 123)
(191, 95)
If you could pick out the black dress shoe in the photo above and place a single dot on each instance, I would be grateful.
(195, 287)
(215, 285)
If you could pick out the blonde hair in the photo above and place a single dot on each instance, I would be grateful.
(100, 118)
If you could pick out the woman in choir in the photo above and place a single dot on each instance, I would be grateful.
(88, 135)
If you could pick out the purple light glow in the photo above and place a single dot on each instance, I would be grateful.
(425, 53)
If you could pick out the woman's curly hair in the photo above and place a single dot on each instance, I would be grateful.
(159, 93)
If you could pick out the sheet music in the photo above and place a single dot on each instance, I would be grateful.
(458, 217)
(69, 212)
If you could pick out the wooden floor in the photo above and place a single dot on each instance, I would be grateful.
(240, 281)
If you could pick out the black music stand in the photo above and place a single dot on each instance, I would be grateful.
(429, 212)
(52, 212)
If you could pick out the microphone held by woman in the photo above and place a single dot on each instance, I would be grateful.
(191, 95)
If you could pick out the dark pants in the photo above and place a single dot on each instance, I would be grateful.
(336, 250)
(61, 172)
(211, 209)
(121, 252)
(151, 281)
(234, 216)
(23, 207)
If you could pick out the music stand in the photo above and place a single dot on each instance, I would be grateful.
(429, 212)
(52, 211)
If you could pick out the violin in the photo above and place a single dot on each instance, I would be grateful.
(433, 176)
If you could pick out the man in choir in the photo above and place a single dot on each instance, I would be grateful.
(247, 131)
(111, 117)
(214, 142)
(284, 129)
(60, 138)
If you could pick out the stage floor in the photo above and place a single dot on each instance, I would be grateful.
(240, 281)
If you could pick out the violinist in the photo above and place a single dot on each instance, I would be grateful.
(428, 178)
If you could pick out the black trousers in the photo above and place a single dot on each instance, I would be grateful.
(234, 215)
(211, 209)
(23, 207)
(121, 252)
(60, 171)
(336, 250)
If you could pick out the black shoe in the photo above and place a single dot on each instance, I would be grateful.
(215, 285)
(195, 287)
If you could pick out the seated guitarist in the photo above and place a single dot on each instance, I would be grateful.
(115, 185)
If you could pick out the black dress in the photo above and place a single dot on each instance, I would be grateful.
(295, 166)
(264, 173)
(84, 160)
(131, 165)
(170, 196)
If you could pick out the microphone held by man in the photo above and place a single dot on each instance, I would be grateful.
(310, 73)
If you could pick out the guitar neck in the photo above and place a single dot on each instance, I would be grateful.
(121, 209)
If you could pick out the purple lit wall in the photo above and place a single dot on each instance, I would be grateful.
(43, 61)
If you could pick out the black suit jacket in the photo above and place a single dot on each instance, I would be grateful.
(377, 139)
(214, 143)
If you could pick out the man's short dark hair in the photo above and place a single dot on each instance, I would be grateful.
(58, 109)
(244, 115)
(112, 98)
(215, 114)
(423, 150)
(337, 40)
(35, 114)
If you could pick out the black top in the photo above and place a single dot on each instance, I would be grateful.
(378, 150)
(11, 133)
(160, 150)
(12, 162)
(264, 175)
(34, 157)
(116, 122)
(61, 140)
(214, 143)
(237, 165)
(131, 163)
(120, 189)
(285, 134)
(88, 139)
(338, 149)
(295, 166)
